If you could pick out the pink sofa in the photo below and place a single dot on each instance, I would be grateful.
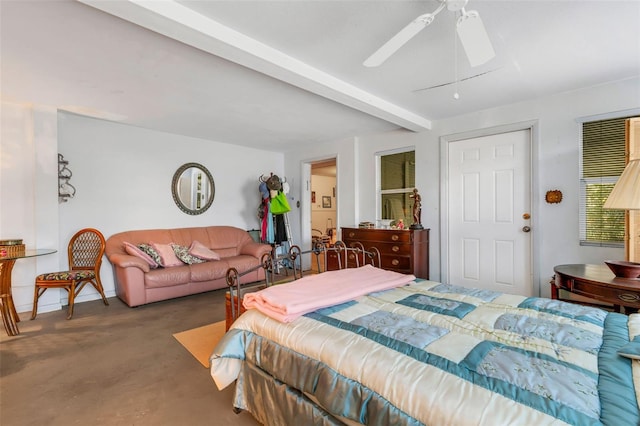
(137, 283)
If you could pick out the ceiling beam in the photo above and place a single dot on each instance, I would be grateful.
(176, 21)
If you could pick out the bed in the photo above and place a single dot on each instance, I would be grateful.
(425, 353)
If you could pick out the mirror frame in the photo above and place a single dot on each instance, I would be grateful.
(174, 188)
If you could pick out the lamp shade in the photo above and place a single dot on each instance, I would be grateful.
(626, 193)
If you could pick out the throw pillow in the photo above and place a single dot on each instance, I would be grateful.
(167, 256)
(135, 251)
(182, 253)
(201, 251)
(146, 248)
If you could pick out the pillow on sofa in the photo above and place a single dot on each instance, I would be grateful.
(146, 248)
(201, 251)
(167, 256)
(135, 251)
(182, 253)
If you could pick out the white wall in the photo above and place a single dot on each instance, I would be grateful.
(555, 167)
(29, 194)
(122, 176)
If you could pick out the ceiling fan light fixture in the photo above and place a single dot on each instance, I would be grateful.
(474, 38)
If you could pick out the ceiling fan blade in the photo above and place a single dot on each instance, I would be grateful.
(454, 82)
(474, 38)
(398, 40)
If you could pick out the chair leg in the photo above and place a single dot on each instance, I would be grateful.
(37, 292)
(72, 298)
(98, 286)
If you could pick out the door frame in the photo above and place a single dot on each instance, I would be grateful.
(305, 213)
(533, 127)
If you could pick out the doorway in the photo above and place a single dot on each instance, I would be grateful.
(487, 241)
(323, 202)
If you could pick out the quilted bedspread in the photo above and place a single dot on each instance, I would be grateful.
(436, 354)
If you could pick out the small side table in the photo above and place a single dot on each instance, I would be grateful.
(599, 283)
(10, 317)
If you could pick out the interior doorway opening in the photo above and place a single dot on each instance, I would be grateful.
(324, 204)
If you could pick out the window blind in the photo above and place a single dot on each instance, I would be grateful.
(603, 160)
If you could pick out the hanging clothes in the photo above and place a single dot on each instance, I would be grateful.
(263, 220)
(267, 233)
(280, 231)
(270, 231)
(265, 215)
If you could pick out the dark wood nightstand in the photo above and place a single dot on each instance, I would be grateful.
(599, 283)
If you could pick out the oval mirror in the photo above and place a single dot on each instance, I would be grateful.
(193, 188)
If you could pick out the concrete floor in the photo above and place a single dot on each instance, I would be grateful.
(113, 365)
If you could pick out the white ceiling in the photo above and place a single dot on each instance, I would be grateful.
(276, 74)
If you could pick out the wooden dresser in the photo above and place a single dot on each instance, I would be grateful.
(405, 251)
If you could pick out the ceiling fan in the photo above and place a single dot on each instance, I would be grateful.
(469, 26)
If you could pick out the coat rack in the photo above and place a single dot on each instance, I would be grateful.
(273, 225)
(65, 189)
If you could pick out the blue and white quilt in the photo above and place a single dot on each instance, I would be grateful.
(435, 354)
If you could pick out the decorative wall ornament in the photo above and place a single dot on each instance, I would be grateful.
(65, 189)
(554, 196)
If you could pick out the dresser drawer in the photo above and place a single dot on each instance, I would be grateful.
(399, 263)
(384, 235)
(334, 260)
(399, 248)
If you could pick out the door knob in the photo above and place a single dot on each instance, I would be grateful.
(526, 229)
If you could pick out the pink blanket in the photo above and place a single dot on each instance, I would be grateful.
(287, 302)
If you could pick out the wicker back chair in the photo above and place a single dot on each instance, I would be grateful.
(85, 252)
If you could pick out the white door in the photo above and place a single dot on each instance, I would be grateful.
(489, 202)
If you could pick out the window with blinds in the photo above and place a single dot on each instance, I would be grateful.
(603, 160)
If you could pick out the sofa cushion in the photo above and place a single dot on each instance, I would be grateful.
(209, 271)
(136, 251)
(182, 253)
(167, 256)
(167, 277)
(201, 251)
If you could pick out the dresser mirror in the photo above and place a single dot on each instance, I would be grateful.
(193, 188)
